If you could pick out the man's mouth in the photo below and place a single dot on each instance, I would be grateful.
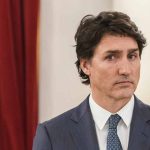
(124, 82)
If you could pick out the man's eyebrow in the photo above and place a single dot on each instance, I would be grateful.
(113, 51)
(133, 50)
(120, 51)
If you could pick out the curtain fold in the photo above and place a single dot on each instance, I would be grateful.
(18, 73)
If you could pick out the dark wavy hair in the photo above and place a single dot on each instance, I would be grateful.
(93, 28)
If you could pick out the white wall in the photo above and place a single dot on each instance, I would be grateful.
(59, 84)
(139, 11)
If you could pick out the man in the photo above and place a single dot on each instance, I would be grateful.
(109, 48)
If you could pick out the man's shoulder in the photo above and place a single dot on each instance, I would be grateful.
(60, 118)
(142, 104)
(142, 109)
(67, 118)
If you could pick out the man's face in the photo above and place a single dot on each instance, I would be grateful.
(114, 70)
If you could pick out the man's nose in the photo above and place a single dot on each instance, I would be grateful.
(124, 67)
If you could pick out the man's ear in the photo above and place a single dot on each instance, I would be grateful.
(85, 66)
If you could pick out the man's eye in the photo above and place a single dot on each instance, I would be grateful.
(110, 57)
(132, 56)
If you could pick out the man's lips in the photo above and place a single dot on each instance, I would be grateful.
(124, 82)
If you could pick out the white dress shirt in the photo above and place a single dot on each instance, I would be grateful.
(100, 116)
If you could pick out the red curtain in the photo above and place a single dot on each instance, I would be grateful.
(18, 73)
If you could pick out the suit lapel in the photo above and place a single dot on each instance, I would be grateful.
(83, 131)
(140, 127)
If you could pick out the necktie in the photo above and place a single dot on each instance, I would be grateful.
(113, 142)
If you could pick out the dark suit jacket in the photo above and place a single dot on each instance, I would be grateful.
(75, 130)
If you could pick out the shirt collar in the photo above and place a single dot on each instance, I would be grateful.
(127, 111)
(100, 115)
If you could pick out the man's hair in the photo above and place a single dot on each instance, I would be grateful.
(92, 29)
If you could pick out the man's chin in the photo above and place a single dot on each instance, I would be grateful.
(124, 95)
